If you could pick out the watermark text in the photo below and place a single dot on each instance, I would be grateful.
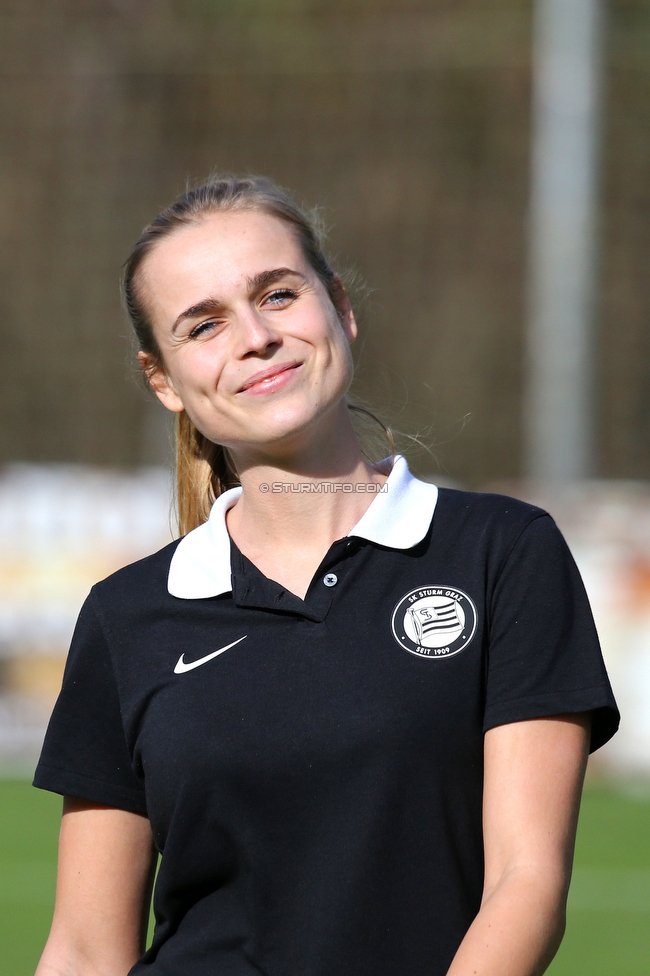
(323, 487)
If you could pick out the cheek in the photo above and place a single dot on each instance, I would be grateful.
(197, 369)
(337, 366)
(348, 367)
(340, 348)
(327, 332)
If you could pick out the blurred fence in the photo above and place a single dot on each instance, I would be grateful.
(408, 122)
(63, 527)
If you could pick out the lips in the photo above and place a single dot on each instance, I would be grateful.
(269, 378)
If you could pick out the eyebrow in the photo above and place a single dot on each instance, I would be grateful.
(262, 279)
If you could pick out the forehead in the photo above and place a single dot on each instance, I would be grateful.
(218, 253)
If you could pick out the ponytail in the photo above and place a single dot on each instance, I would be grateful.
(204, 471)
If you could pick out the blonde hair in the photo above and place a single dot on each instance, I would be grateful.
(204, 469)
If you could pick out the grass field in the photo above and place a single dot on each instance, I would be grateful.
(609, 920)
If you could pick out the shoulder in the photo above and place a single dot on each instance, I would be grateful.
(144, 579)
(486, 508)
(487, 521)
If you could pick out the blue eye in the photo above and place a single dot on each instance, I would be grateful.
(201, 328)
(281, 295)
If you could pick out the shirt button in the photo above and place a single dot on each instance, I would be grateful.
(330, 579)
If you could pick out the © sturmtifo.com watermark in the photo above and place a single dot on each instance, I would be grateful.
(323, 487)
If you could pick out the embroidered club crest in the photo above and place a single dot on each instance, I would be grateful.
(434, 621)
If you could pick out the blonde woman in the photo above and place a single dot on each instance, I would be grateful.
(351, 711)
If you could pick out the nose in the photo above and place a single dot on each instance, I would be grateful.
(255, 334)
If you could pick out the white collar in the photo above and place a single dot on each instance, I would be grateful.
(398, 518)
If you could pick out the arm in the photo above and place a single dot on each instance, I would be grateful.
(533, 780)
(105, 875)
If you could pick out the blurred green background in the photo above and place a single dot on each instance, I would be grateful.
(608, 931)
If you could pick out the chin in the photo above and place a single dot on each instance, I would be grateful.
(280, 435)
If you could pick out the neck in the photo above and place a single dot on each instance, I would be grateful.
(297, 503)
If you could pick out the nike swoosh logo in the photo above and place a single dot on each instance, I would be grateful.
(182, 667)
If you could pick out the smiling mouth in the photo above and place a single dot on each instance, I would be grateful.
(269, 379)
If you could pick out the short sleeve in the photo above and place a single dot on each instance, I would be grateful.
(544, 657)
(85, 752)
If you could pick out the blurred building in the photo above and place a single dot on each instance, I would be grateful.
(62, 528)
(607, 526)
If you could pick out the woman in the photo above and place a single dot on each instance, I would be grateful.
(351, 710)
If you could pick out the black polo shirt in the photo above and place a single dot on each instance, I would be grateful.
(312, 769)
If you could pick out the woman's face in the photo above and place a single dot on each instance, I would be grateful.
(252, 346)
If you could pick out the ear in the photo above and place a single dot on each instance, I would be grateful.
(160, 383)
(344, 310)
